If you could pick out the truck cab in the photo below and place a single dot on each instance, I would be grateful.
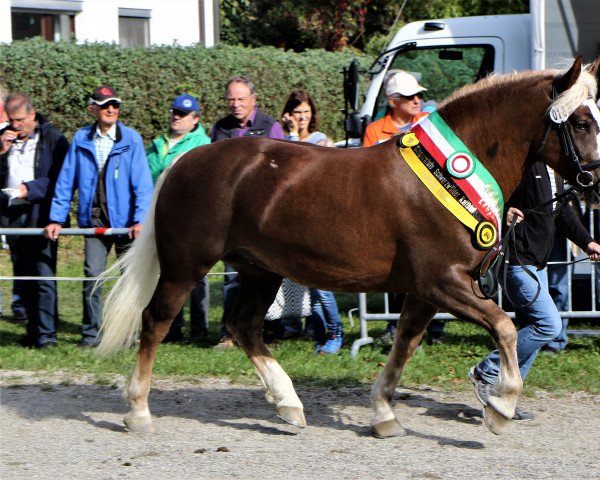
(444, 55)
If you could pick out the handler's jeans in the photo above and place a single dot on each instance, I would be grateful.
(539, 322)
(96, 252)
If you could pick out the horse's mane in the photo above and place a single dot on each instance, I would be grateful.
(567, 102)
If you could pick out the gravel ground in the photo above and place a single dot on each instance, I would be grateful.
(54, 426)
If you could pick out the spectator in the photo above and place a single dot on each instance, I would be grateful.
(107, 165)
(32, 152)
(244, 120)
(17, 307)
(404, 96)
(301, 121)
(185, 133)
(540, 322)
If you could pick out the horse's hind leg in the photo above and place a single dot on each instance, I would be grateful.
(166, 302)
(257, 292)
(414, 318)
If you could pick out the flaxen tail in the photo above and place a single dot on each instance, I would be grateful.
(122, 311)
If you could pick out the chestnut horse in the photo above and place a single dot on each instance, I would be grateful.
(352, 220)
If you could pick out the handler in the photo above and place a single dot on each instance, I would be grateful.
(539, 322)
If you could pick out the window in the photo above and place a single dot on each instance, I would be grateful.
(52, 26)
(134, 27)
(440, 70)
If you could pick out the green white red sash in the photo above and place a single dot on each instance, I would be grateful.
(455, 177)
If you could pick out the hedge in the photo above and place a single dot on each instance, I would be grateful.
(60, 77)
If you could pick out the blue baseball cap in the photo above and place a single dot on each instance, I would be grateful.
(185, 103)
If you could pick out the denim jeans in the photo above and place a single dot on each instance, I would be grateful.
(96, 252)
(198, 310)
(324, 316)
(539, 323)
(34, 256)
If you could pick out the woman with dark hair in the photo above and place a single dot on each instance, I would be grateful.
(301, 122)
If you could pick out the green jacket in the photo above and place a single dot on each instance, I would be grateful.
(159, 155)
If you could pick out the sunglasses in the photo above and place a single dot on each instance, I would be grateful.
(410, 97)
(179, 113)
(112, 103)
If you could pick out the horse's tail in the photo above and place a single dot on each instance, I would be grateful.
(122, 312)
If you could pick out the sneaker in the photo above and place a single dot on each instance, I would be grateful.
(523, 415)
(45, 345)
(482, 389)
(332, 346)
(225, 343)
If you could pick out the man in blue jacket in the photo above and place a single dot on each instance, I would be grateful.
(31, 154)
(108, 165)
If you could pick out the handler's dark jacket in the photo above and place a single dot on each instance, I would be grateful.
(227, 126)
(534, 237)
(50, 153)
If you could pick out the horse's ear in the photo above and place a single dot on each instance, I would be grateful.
(568, 79)
(594, 68)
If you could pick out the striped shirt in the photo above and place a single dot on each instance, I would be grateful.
(104, 144)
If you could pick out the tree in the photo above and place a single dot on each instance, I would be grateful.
(338, 24)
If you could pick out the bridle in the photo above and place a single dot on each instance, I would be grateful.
(557, 119)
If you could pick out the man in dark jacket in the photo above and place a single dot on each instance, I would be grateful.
(244, 120)
(539, 322)
(31, 155)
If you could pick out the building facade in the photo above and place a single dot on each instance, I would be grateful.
(130, 23)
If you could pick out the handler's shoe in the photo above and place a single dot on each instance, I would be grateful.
(332, 346)
(523, 415)
(482, 389)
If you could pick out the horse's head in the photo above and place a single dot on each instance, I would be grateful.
(574, 117)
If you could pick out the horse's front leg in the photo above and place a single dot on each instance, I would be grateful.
(458, 294)
(414, 318)
(246, 326)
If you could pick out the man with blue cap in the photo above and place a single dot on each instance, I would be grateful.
(185, 133)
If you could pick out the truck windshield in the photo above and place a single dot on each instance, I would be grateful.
(440, 70)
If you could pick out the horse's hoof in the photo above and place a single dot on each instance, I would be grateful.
(292, 415)
(388, 428)
(495, 422)
(139, 424)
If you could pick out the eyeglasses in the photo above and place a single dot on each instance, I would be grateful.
(409, 97)
(112, 103)
(179, 113)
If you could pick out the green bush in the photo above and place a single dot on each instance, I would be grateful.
(60, 77)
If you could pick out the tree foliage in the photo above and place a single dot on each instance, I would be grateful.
(338, 24)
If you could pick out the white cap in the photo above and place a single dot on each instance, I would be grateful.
(403, 83)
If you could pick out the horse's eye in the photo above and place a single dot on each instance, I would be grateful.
(581, 125)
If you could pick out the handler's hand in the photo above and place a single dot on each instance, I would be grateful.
(593, 250)
(52, 231)
(512, 211)
(135, 230)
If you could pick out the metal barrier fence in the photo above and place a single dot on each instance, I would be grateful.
(582, 268)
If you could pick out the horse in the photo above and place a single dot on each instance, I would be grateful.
(351, 220)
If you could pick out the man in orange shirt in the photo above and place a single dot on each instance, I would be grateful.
(404, 96)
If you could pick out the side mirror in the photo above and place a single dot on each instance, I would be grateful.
(351, 86)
